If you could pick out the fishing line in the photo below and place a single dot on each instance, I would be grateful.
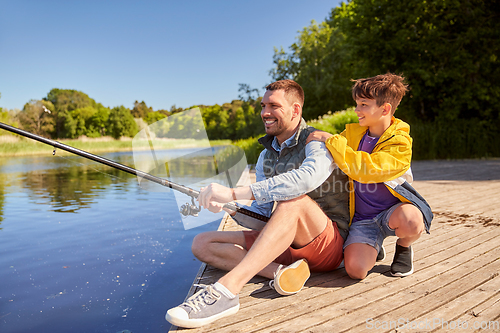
(87, 165)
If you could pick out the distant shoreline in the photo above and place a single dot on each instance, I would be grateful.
(11, 146)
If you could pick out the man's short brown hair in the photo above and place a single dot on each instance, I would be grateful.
(293, 90)
(384, 88)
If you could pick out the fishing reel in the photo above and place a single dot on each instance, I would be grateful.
(190, 209)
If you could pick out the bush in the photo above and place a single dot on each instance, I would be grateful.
(251, 147)
(334, 123)
(459, 139)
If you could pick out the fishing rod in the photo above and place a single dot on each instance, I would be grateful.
(187, 209)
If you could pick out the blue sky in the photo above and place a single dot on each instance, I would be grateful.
(162, 52)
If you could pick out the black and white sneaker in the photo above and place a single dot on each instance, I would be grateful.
(381, 253)
(204, 307)
(402, 265)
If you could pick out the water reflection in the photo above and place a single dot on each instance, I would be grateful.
(68, 189)
(2, 197)
(117, 261)
(70, 183)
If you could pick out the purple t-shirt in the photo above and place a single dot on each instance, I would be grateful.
(373, 198)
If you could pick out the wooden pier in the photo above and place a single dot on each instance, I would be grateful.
(455, 287)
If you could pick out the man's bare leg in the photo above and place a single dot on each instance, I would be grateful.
(296, 222)
(225, 250)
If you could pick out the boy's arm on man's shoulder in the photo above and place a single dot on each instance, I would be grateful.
(390, 162)
(320, 136)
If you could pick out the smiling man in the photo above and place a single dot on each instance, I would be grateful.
(298, 238)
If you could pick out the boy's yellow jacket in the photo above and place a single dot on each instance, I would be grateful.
(388, 163)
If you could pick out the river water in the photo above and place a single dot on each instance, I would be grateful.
(85, 248)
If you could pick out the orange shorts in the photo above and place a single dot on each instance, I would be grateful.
(324, 253)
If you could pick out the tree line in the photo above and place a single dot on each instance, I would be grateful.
(69, 114)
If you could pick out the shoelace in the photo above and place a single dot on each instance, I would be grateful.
(207, 295)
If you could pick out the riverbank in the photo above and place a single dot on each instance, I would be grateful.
(11, 145)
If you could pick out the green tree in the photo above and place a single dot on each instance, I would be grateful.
(248, 94)
(319, 62)
(90, 121)
(36, 117)
(154, 116)
(252, 122)
(121, 123)
(447, 49)
(186, 125)
(98, 121)
(141, 110)
(65, 101)
(4, 116)
(82, 118)
(174, 109)
(216, 121)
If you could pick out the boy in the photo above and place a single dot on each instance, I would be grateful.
(375, 154)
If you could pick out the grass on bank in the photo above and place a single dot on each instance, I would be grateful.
(14, 145)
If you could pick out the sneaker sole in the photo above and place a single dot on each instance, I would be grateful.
(194, 323)
(291, 279)
(400, 274)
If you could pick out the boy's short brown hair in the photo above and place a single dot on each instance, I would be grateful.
(293, 90)
(384, 88)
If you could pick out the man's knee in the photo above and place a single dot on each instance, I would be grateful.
(201, 245)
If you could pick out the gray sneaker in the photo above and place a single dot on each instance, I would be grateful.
(204, 307)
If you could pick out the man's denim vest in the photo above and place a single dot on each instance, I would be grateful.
(332, 196)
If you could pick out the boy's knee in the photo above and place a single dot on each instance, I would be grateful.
(416, 227)
(355, 270)
(409, 221)
(415, 224)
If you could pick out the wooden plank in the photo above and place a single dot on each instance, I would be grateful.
(363, 290)
(451, 315)
(431, 245)
(439, 234)
(462, 196)
(486, 314)
(420, 298)
(264, 291)
(340, 291)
